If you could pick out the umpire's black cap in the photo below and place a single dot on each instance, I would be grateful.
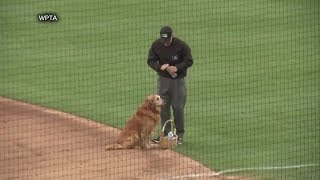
(165, 33)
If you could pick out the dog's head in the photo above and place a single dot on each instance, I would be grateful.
(154, 102)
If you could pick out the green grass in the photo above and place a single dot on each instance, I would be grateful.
(253, 92)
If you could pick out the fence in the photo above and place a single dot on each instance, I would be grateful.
(73, 73)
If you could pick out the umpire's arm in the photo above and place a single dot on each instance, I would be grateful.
(187, 59)
(153, 59)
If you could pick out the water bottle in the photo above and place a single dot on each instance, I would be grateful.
(170, 135)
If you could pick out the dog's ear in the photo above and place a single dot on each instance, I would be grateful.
(149, 102)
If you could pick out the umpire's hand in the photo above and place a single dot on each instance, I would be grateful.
(164, 67)
(172, 69)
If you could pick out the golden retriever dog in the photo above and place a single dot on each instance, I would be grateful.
(137, 130)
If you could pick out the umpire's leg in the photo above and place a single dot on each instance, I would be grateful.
(179, 92)
(163, 90)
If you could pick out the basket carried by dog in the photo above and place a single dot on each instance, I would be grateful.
(169, 141)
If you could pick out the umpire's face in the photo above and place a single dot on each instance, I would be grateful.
(167, 41)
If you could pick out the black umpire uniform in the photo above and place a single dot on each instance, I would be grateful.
(171, 87)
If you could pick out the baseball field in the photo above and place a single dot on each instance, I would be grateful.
(253, 92)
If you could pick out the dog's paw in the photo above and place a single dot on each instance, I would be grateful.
(152, 146)
(136, 147)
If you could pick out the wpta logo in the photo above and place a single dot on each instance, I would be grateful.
(48, 17)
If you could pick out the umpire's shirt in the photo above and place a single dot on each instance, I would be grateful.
(177, 54)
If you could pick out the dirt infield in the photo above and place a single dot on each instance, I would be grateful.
(40, 143)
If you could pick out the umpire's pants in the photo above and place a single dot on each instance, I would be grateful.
(174, 92)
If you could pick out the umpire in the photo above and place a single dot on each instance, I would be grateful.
(170, 57)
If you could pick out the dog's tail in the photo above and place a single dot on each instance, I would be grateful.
(115, 147)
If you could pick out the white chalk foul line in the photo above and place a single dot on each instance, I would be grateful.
(266, 168)
(240, 169)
